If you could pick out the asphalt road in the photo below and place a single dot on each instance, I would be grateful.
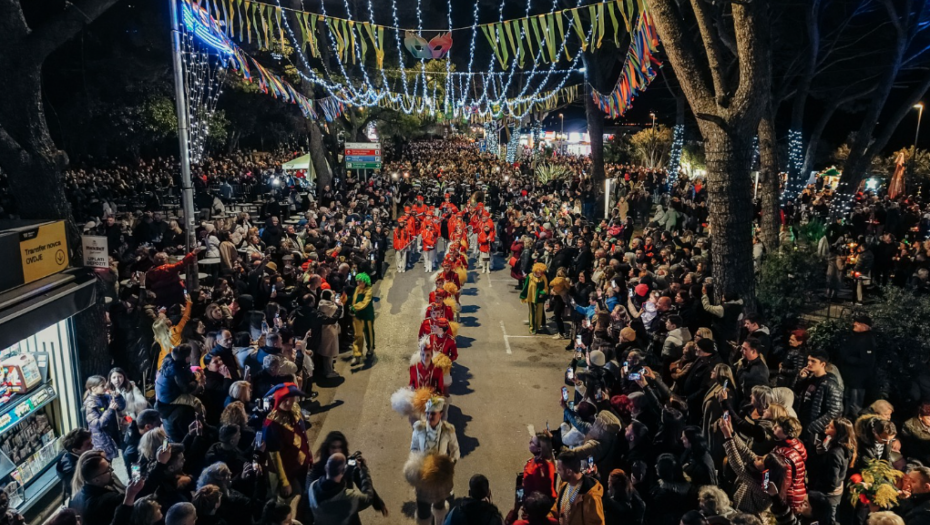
(505, 383)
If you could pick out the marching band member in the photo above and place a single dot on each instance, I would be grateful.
(401, 241)
(434, 450)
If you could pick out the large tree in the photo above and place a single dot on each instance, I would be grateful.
(725, 73)
(27, 153)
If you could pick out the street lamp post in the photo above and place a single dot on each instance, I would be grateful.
(920, 113)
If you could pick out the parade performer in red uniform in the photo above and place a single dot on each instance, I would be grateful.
(484, 250)
(429, 237)
(423, 374)
(401, 241)
(442, 341)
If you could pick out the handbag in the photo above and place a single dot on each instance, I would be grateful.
(512, 262)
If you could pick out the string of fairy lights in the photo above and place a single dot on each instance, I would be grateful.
(204, 79)
(481, 93)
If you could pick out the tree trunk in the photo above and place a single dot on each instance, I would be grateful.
(324, 177)
(595, 119)
(768, 181)
(730, 208)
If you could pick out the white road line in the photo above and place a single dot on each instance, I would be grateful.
(531, 429)
(506, 341)
(522, 336)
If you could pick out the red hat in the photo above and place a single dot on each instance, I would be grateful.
(284, 390)
(443, 323)
(642, 290)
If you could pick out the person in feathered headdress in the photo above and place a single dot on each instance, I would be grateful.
(434, 450)
(422, 372)
(285, 436)
(434, 312)
(441, 341)
(449, 275)
(535, 291)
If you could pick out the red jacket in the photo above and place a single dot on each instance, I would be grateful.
(165, 282)
(794, 451)
(539, 476)
(429, 239)
(431, 377)
(446, 345)
(401, 239)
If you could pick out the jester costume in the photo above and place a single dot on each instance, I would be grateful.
(535, 290)
(363, 311)
(286, 442)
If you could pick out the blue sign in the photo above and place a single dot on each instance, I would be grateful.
(363, 158)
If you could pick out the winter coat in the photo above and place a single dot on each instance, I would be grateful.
(327, 326)
(725, 318)
(826, 404)
(794, 452)
(675, 343)
(915, 440)
(474, 512)
(174, 379)
(164, 282)
(699, 468)
(630, 512)
(750, 374)
(915, 510)
(868, 448)
(334, 504)
(830, 466)
(857, 359)
(749, 496)
(588, 507)
(104, 422)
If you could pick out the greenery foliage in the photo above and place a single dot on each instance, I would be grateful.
(876, 485)
(788, 280)
(546, 173)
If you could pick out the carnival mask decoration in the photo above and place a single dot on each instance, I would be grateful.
(438, 47)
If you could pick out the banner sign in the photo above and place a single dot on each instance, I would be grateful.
(95, 251)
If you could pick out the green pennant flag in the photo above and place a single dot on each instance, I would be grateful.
(592, 15)
(558, 21)
(508, 31)
(600, 24)
(277, 15)
(489, 34)
(361, 38)
(520, 51)
(529, 39)
(534, 21)
(304, 36)
(314, 46)
(248, 22)
(503, 44)
(579, 29)
(350, 27)
(551, 38)
(612, 9)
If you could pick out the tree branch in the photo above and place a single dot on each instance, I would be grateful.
(755, 68)
(714, 51)
(62, 27)
(680, 51)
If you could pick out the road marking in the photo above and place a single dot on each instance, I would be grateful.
(506, 341)
(522, 336)
(532, 430)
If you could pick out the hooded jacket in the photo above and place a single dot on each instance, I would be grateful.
(588, 507)
(675, 342)
(335, 504)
